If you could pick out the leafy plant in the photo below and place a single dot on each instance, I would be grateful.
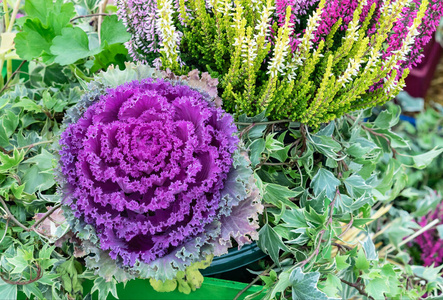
(325, 197)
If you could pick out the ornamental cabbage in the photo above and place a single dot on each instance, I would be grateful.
(153, 176)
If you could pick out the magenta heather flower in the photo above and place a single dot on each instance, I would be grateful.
(430, 243)
(154, 167)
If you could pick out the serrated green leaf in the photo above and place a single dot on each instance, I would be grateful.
(271, 243)
(76, 41)
(361, 262)
(304, 286)
(113, 31)
(341, 263)
(35, 39)
(376, 288)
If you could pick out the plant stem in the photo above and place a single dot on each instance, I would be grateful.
(31, 146)
(11, 217)
(262, 123)
(253, 281)
(89, 16)
(358, 287)
(12, 75)
(46, 215)
(14, 15)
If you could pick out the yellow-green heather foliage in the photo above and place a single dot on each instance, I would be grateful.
(314, 83)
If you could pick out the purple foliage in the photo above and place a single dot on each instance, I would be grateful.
(145, 165)
(430, 243)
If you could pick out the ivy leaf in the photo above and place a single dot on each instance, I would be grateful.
(369, 247)
(7, 291)
(294, 218)
(33, 289)
(8, 162)
(281, 285)
(356, 186)
(304, 286)
(341, 263)
(376, 288)
(8, 124)
(104, 288)
(257, 147)
(361, 262)
(421, 161)
(271, 243)
(388, 118)
(37, 180)
(325, 180)
(331, 285)
(279, 195)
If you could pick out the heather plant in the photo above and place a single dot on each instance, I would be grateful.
(338, 56)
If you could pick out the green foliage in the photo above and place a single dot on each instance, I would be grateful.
(48, 34)
(321, 189)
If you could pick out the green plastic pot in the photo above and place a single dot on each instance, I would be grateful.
(234, 259)
(212, 288)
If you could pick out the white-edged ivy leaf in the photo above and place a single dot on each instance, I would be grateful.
(356, 186)
(33, 289)
(388, 118)
(281, 285)
(294, 218)
(104, 288)
(369, 247)
(37, 180)
(304, 285)
(421, 161)
(325, 180)
(257, 147)
(279, 195)
(271, 243)
(7, 291)
(29, 105)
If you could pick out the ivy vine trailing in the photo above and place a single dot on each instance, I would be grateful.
(325, 194)
(241, 120)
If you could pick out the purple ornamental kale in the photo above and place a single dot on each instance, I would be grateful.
(145, 165)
